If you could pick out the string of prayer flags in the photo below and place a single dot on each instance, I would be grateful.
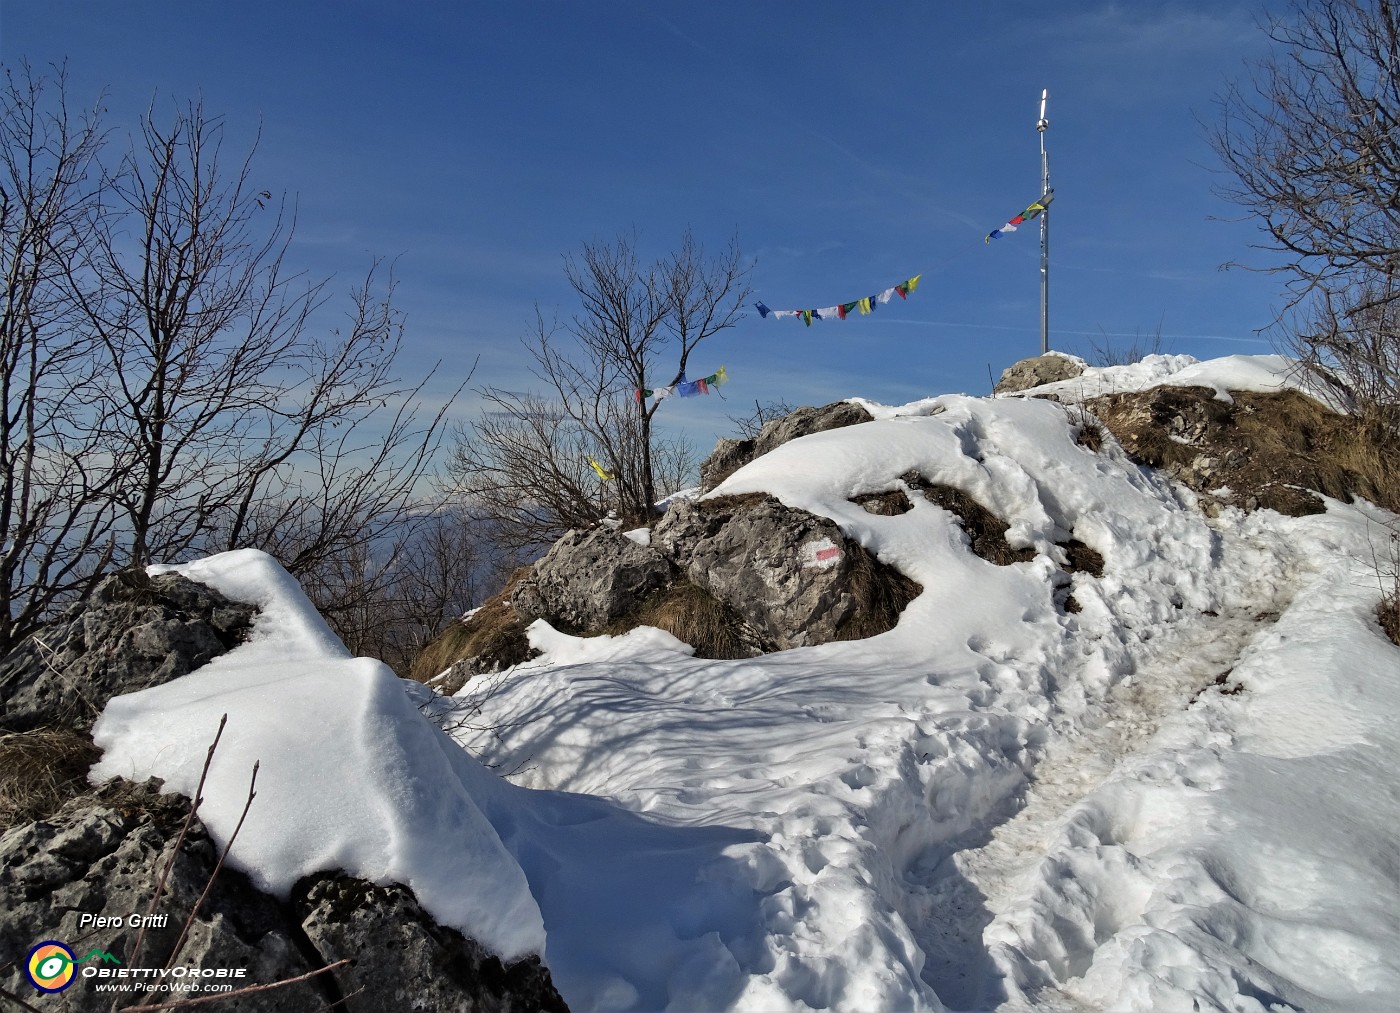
(843, 310)
(683, 387)
(605, 475)
(1032, 212)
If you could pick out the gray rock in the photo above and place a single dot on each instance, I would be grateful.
(788, 573)
(104, 853)
(1036, 371)
(434, 968)
(590, 578)
(730, 455)
(133, 631)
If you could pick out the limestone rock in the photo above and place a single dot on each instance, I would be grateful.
(785, 571)
(589, 578)
(103, 854)
(432, 967)
(730, 455)
(132, 632)
(1035, 372)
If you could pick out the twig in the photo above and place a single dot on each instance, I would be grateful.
(175, 852)
(248, 990)
(209, 884)
(18, 1001)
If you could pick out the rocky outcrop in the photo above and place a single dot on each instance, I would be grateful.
(133, 631)
(730, 455)
(792, 576)
(1037, 371)
(67, 849)
(732, 576)
(590, 578)
(428, 967)
(1254, 451)
(104, 855)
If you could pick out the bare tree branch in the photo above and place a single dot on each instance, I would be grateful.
(527, 462)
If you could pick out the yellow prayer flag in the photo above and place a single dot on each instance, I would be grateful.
(605, 476)
(913, 282)
(864, 305)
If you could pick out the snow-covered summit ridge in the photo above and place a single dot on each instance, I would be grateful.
(1000, 803)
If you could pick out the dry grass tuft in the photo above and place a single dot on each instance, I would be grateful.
(691, 614)
(1387, 563)
(881, 594)
(1081, 558)
(493, 637)
(1388, 613)
(40, 770)
(1089, 435)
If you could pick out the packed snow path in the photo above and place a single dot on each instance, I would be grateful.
(958, 889)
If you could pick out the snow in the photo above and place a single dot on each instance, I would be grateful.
(1253, 373)
(997, 804)
(350, 774)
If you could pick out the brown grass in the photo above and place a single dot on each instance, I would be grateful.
(40, 770)
(1388, 613)
(985, 529)
(494, 636)
(1089, 435)
(1080, 558)
(881, 594)
(1267, 447)
(691, 614)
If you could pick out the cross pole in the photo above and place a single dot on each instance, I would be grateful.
(1041, 127)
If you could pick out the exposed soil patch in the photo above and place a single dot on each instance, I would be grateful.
(1264, 451)
(1222, 684)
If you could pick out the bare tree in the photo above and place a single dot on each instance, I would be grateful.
(1314, 147)
(56, 516)
(528, 462)
(167, 392)
(1350, 340)
(240, 426)
(390, 604)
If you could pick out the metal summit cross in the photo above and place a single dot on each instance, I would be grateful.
(1041, 125)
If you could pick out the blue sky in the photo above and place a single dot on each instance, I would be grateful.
(847, 146)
